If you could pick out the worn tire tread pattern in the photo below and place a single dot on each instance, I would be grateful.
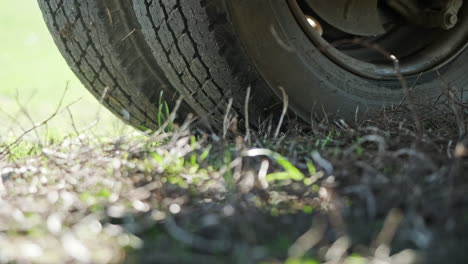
(106, 50)
(196, 46)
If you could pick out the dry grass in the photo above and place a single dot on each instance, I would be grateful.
(377, 191)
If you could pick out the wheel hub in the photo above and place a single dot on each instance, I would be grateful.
(429, 13)
(421, 44)
(363, 17)
(357, 17)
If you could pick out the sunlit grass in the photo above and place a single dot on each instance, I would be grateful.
(188, 198)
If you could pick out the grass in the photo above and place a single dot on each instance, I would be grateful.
(373, 192)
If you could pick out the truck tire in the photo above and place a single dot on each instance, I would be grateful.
(102, 43)
(212, 52)
(220, 47)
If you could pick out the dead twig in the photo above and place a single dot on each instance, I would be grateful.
(171, 118)
(283, 113)
(246, 114)
(98, 113)
(72, 119)
(227, 119)
(7, 149)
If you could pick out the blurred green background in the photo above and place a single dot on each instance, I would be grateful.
(33, 72)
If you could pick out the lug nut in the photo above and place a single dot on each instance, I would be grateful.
(315, 25)
(450, 20)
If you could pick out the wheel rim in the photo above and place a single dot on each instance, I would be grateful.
(404, 50)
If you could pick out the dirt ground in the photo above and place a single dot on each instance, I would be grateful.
(376, 191)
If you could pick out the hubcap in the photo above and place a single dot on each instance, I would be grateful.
(370, 51)
(359, 17)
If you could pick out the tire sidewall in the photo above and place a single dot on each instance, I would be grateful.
(284, 56)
